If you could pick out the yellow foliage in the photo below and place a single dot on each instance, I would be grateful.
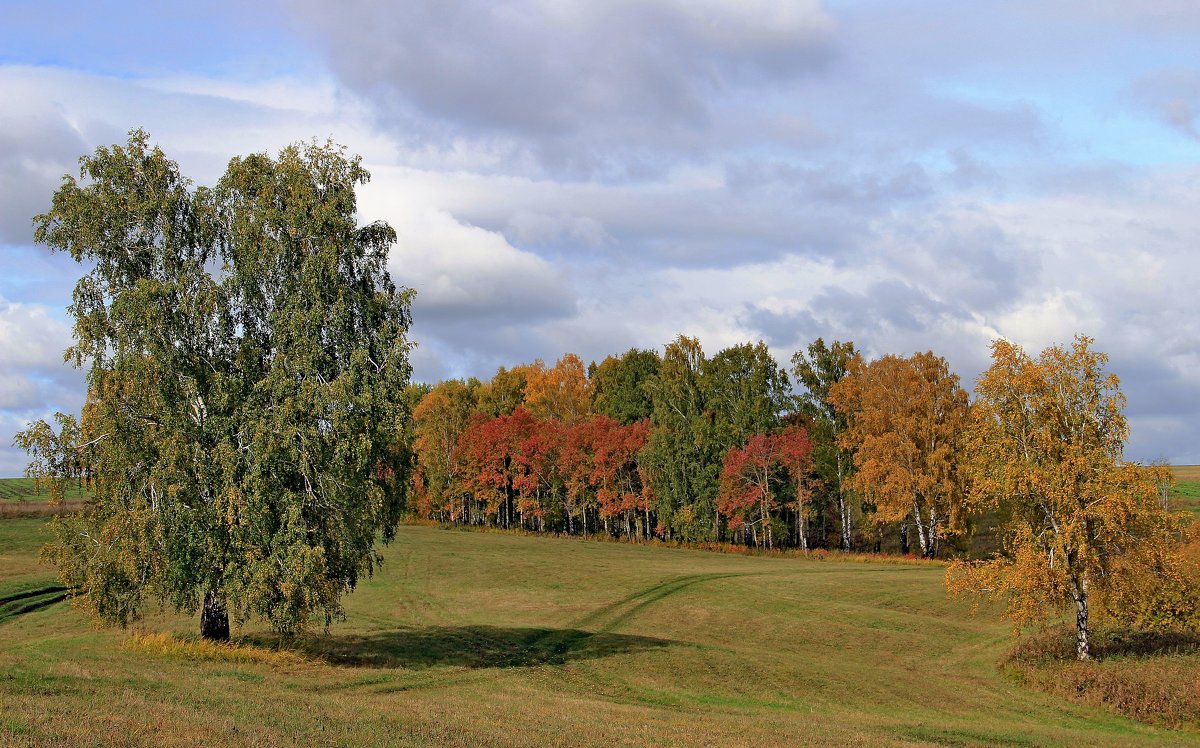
(905, 423)
(562, 393)
(1086, 529)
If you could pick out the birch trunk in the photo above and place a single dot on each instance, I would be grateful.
(843, 509)
(214, 618)
(1079, 591)
(921, 536)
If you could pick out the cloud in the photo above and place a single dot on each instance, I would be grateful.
(588, 177)
(581, 88)
(467, 274)
(34, 381)
(36, 148)
(1172, 96)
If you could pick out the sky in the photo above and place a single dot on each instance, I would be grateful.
(593, 176)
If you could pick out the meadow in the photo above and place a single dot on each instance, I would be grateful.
(1187, 487)
(494, 639)
(24, 490)
(19, 497)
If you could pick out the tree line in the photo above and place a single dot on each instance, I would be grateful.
(683, 446)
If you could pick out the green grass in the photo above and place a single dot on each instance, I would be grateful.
(22, 489)
(492, 639)
(1187, 488)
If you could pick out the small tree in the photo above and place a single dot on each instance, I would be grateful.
(56, 457)
(247, 354)
(1045, 447)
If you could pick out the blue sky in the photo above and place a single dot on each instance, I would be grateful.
(594, 176)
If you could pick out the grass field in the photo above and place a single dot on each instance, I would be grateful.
(487, 639)
(22, 489)
(1187, 487)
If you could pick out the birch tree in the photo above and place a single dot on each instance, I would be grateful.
(817, 370)
(245, 349)
(906, 418)
(1046, 448)
(439, 420)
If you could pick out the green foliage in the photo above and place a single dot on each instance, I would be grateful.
(683, 456)
(747, 392)
(246, 348)
(505, 393)
(701, 408)
(817, 371)
(619, 382)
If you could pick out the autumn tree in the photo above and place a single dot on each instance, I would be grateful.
(906, 420)
(245, 345)
(1046, 447)
(795, 450)
(541, 475)
(616, 477)
(439, 420)
(817, 370)
(756, 477)
(619, 387)
(493, 453)
(749, 488)
(562, 392)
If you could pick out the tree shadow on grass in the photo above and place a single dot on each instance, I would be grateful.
(1057, 643)
(470, 646)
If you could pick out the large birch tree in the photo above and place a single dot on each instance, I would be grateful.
(246, 349)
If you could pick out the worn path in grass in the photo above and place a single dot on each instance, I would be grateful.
(482, 639)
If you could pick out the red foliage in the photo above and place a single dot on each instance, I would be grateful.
(751, 474)
(492, 450)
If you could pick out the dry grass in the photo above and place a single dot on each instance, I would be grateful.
(1186, 494)
(200, 650)
(11, 510)
(1186, 472)
(1154, 678)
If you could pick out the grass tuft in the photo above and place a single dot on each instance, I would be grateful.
(203, 650)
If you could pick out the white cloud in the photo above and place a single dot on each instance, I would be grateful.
(465, 273)
(587, 177)
(30, 338)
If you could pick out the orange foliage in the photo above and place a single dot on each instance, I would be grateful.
(563, 392)
(906, 421)
(1046, 443)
